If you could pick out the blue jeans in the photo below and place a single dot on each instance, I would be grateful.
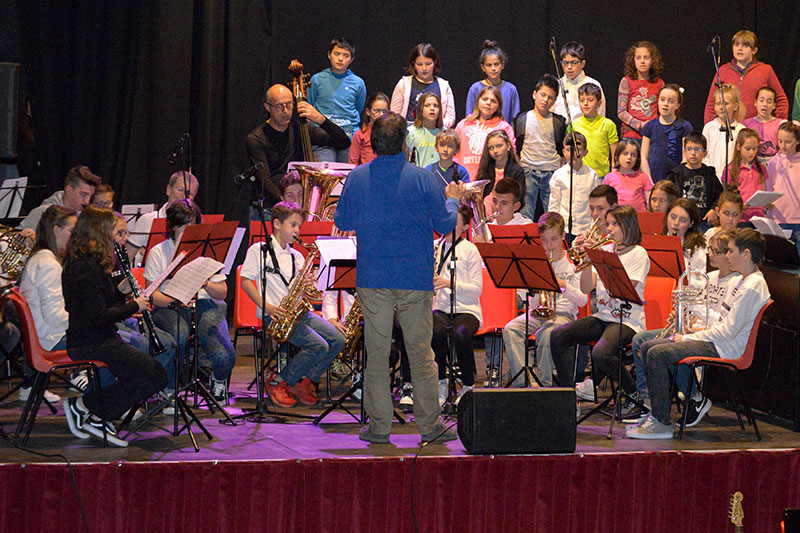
(658, 355)
(328, 153)
(255, 215)
(212, 330)
(537, 185)
(319, 342)
(681, 380)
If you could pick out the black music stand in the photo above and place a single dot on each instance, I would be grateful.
(619, 286)
(14, 194)
(666, 255)
(520, 266)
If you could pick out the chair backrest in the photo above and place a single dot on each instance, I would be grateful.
(138, 274)
(35, 354)
(245, 311)
(499, 306)
(657, 301)
(585, 310)
(746, 359)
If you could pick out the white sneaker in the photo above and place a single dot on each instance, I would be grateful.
(79, 380)
(25, 393)
(407, 398)
(442, 392)
(463, 391)
(585, 390)
(651, 429)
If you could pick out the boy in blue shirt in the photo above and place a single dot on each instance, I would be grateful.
(448, 144)
(338, 94)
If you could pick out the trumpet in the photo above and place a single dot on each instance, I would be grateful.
(546, 309)
(581, 259)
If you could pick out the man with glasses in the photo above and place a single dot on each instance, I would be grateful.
(277, 142)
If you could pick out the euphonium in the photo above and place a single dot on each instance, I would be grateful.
(680, 319)
(14, 253)
(296, 302)
(354, 329)
(318, 184)
(473, 197)
(546, 309)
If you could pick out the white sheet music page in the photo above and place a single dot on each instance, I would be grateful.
(148, 292)
(11, 200)
(190, 279)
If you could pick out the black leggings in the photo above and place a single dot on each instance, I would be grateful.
(464, 325)
(605, 361)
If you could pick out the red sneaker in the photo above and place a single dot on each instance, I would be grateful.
(303, 395)
(280, 394)
(308, 385)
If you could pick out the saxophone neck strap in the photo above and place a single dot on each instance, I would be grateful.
(275, 268)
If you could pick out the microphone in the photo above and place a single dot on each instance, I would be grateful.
(178, 149)
(713, 42)
(552, 45)
(249, 174)
(456, 175)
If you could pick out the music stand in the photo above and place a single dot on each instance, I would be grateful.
(520, 266)
(666, 255)
(12, 191)
(610, 270)
(133, 212)
(650, 222)
(523, 233)
(157, 235)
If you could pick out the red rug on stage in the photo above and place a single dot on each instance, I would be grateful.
(666, 491)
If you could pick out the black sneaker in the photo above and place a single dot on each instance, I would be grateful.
(95, 426)
(76, 417)
(696, 410)
(407, 398)
(219, 390)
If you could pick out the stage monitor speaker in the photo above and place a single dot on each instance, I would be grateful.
(9, 101)
(539, 420)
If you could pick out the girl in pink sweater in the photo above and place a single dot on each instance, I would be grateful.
(632, 185)
(746, 172)
(473, 129)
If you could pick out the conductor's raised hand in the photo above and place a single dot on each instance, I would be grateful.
(455, 190)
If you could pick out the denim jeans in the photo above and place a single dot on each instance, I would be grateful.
(212, 330)
(658, 356)
(319, 342)
(514, 339)
(681, 380)
(537, 185)
(256, 216)
(328, 153)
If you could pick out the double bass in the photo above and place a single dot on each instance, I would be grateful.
(300, 82)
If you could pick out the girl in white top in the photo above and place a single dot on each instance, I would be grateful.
(715, 155)
(40, 283)
(603, 327)
(423, 65)
(683, 220)
(729, 209)
(468, 315)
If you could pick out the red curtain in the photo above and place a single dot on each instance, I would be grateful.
(669, 491)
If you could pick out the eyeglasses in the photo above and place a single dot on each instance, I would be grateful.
(108, 204)
(694, 149)
(122, 233)
(570, 63)
(283, 107)
(718, 252)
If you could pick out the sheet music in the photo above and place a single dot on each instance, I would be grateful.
(190, 279)
(236, 242)
(148, 292)
(132, 212)
(763, 198)
(767, 226)
(11, 199)
(332, 248)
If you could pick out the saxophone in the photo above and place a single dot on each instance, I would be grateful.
(296, 302)
(354, 329)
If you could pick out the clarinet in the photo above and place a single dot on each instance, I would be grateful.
(122, 257)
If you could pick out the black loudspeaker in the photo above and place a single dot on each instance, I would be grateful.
(9, 100)
(540, 420)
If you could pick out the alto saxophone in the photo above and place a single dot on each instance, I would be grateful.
(354, 329)
(296, 302)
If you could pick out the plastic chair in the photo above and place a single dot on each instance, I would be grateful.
(245, 312)
(45, 363)
(499, 307)
(657, 300)
(734, 365)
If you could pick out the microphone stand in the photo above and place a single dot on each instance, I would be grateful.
(727, 127)
(450, 405)
(570, 129)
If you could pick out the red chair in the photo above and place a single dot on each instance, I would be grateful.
(657, 300)
(499, 307)
(734, 365)
(245, 312)
(45, 363)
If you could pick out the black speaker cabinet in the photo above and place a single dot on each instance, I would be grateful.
(9, 97)
(500, 421)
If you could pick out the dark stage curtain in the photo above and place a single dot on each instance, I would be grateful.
(637, 492)
(114, 84)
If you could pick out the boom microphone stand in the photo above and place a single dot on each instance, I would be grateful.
(450, 405)
(570, 129)
(727, 127)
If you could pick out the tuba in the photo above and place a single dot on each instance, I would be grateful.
(14, 253)
(546, 309)
(296, 302)
(682, 298)
(318, 184)
(473, 197)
